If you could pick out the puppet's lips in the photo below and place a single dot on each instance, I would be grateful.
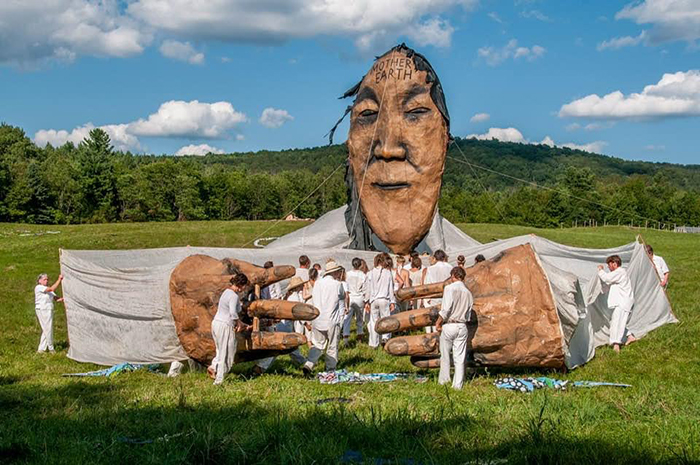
(391, 186)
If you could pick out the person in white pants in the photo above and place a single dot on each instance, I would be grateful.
(356, 283)
(293, 294)
(436, 273)
(44, 297)
(620, 298)
(457, 304)
(380, 296)
(224, 328)
(325, 334)
(660, 266)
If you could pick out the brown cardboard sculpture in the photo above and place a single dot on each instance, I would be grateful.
(196, 285)
(399, 131)
(514, 322)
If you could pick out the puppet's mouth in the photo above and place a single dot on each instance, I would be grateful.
(391, 186)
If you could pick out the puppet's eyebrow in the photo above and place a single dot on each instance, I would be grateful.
(366, 93)
(414, 91)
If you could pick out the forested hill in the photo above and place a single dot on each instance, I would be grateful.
(539, 163)
(93, 183)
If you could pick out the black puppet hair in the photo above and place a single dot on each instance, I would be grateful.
(422, 64)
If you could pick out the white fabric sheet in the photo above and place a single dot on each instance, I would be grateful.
(118, 303)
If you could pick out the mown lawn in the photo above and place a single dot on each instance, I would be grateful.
(147, 418)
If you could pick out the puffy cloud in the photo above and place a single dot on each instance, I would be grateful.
(513, 135)
(177, 118)
(182, 51)
(502, 134)
(35, 30)
(620, 42)
(535, 14)
(495, 56)
(118, 133)
(367, 22)
(671, 20)
(273, 118)
(480, 118)
(201, 150)
(173, 119)
(675, 95)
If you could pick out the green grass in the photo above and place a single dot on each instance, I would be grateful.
(275, 418)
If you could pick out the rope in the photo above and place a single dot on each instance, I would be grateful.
(534, 184)
(488, 193)
(298, 205)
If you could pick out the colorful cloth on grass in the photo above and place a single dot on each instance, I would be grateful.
(343, 376)
(115, 370)
(530, 384)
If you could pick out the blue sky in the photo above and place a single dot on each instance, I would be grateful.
(619, 78)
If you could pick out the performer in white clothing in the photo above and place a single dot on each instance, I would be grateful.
(380, 296)
(303, 270)
(620, 298)
(457, 305)
(356, 286)
(660, 265)
(44, 297)
(327, 294)
(436, 273)
(274, 290)
(224, 328)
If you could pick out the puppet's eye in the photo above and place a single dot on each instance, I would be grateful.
(415, 113)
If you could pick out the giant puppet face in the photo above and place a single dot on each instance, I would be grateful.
(397, 145)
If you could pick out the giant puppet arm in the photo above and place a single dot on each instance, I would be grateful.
(196, 285)
(514, 320)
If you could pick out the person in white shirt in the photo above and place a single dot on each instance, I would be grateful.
(325, 334)
(274, 290)
(303, 270)
(436, 273)
(660, 265)
(224, 328)
(44, 297)
(620, 298)
(380, 296)
(356, 289)
(457, 304)
(415, 276)
(293, 294)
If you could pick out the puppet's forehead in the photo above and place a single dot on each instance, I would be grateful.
(394, 66)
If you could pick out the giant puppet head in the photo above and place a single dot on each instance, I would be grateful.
(399, 131)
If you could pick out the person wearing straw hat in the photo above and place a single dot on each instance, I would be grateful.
(293, 294)
(325, 333)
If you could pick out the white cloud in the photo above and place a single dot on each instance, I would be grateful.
(493, 15)
(182, 51)
(36, 30)
(201, 149)
(480, 118)
(655, 148)
(173, 119)
(620, 42)
(177, 118)
(502, 134)
(513, 135)
(573, 127)
(671, 20)
(495, 56)
(118, 133)
(675, 95)
(535, 14)
(367, 22)
(273, 118)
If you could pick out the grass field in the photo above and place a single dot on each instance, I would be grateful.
(147, 418)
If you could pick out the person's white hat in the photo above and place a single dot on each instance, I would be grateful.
(294, 283)
(331, 267)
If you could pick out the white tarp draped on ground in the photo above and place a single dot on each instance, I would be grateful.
(118, 303)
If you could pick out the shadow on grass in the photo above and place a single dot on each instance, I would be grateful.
(104, 427)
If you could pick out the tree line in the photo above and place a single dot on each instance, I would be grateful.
(92, 183)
